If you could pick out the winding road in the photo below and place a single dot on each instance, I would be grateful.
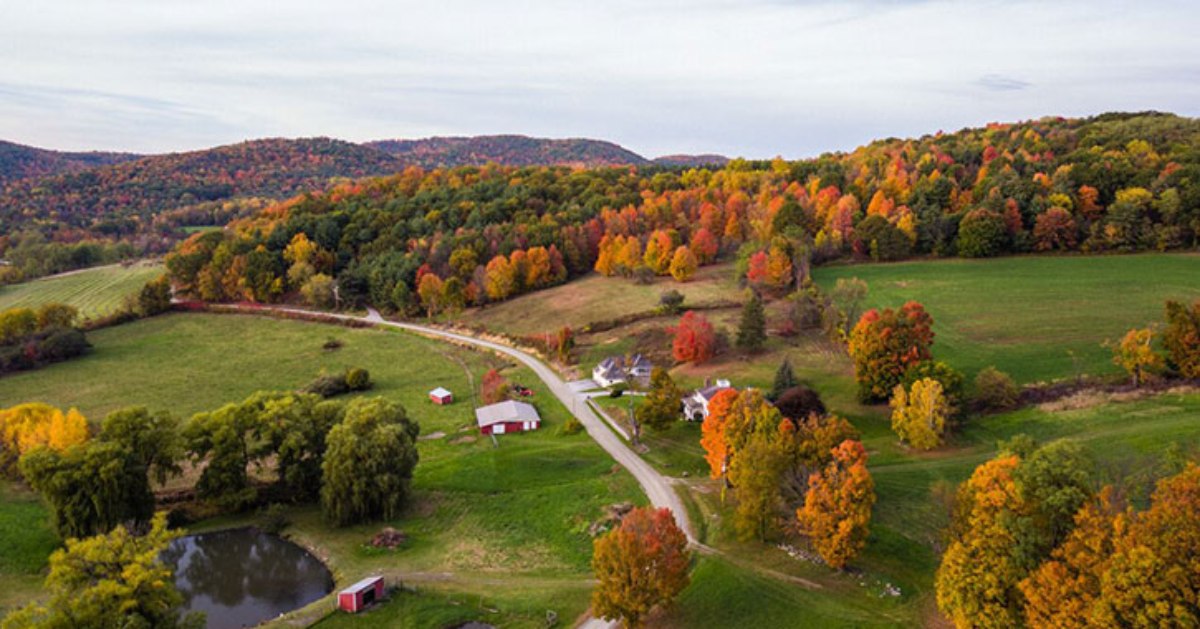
(657, 487)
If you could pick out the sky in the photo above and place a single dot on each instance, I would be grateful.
(752, 78)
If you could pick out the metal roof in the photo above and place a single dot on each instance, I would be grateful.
(440, 392)
(361, 585)
(506, 411)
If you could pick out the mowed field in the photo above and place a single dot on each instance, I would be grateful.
(596, 298)
(95, 292)
(497, 532)
(1037, 318)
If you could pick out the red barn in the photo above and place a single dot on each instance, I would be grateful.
(507, 416)
(441, 396)
(361, 594)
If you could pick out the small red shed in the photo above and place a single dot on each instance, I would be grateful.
(441, 396)
(506, 417)
(361, 594)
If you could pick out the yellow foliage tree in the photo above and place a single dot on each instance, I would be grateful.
(28, 426)
(683, 264)
(919, 416)
(1135, 354)
(977, 581)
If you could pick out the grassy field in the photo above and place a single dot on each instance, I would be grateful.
(482, 515)
(95, 292)
(596, 298)
(1037, 318)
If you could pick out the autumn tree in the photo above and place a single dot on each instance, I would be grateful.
(661, 407)
(1153, 577)
(1135, 354)
(431, 293)
(494, 387)
(717, 451)
(639, 566)
(919, 414)
(695, 340)
(704, 244)
(56, 315)
(26, 427)
(1062, 592)
(368, 463)
(976, 582)
(501, 279)
(1009, 516)
(683, 264)
(1054, 230)
(154, 297)
(752, 329)
(884, 344)
(755, 473)
(113, 580)
(837, 509)
(1181, 338)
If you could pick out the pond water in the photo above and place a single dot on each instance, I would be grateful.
(241, 577)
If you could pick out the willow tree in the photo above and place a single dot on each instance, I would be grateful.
(369, 461)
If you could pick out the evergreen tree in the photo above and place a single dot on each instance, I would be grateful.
(752, 332)
(785, 379)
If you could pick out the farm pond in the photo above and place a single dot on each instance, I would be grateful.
(241, 577)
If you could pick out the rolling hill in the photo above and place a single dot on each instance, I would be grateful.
(508, 150)
(18, 161)
(134, 191)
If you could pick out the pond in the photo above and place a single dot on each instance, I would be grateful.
(241, 577)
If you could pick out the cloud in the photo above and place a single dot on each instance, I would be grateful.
(1001, 83)
(789, 77)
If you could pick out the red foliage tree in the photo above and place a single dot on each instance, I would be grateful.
(695, 340)
(884, 344)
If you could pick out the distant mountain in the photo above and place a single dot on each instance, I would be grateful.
(18, 161)
(128, 192)
(707, 159)
(508, 150)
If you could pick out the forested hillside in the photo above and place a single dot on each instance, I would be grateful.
(115, 199)
(509, 150)
(446, 238)
(18, 161)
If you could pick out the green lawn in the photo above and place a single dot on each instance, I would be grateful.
(95, 292)
(1037, 318)
(482, 515)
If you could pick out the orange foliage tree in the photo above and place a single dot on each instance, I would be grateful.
(494, 388)
(884, 344)
(640, 565)
(837, 509)
(712, 432)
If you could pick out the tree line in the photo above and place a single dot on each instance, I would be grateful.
(1109, 183)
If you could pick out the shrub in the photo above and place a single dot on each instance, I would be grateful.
(572, 427)
(328, 386)
(358, 379)
(995, 390)
(670, 302)
(273, 520)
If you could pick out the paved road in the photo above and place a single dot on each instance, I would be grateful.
(656, 486)
(658, 489)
